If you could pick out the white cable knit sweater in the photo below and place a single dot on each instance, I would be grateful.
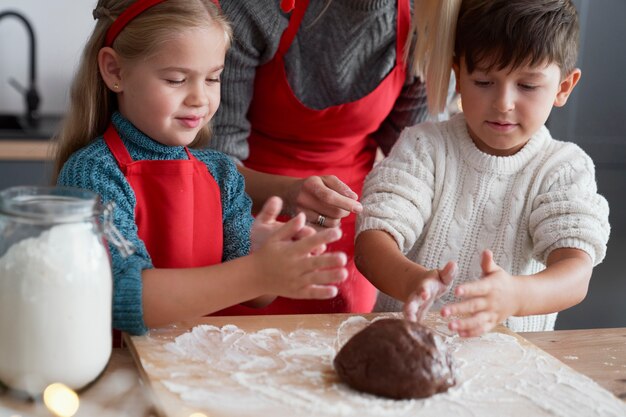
(442, 199)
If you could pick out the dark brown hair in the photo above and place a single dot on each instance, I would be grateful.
(497, 34)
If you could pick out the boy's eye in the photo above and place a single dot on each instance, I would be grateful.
(528, 87)
(175, 82)
(481, 83)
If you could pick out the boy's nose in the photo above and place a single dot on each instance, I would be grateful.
(504, 100)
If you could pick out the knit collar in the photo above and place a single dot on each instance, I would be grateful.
(491, 163)
(129, 133)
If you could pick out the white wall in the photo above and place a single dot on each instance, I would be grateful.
(61, 29)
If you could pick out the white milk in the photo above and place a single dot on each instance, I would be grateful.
(55, 309)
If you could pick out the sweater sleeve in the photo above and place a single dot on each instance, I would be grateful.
(257, 28)
(94, 168)
(236, 205)
(398, 193)
(568, 212)
(410, 108)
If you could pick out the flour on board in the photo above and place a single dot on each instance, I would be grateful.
(228, 371)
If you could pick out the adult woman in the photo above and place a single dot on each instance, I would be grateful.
(307, 97)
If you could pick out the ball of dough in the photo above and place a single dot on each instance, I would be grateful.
(396, 359)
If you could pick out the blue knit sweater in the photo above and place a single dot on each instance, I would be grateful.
(95, 168)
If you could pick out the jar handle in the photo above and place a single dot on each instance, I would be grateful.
(111, 233)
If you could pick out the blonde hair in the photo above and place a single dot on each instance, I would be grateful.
(91, 102)
(430, 45)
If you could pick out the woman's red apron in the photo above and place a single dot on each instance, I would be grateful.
(289, 138)
(178, 208)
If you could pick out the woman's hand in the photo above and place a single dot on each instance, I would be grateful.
(486, 302)
(324, 200)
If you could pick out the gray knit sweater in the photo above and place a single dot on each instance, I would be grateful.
(338, 55)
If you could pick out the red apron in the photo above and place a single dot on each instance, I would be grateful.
(179, 209)
(289, 138)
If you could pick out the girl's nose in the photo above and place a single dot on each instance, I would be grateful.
(198, 95)
(504, 100)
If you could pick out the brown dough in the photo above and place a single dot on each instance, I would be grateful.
(397, 359)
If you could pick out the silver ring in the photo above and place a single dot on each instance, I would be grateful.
(320, 220)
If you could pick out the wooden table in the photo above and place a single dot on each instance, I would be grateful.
(598, 353)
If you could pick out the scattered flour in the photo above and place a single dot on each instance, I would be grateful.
(227, 371)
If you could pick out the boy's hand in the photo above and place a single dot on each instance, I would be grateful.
(289, 266)
(434, 283)
(486, 302)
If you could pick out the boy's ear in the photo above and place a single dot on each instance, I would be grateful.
(457, 77)
(109, 65)
(566, 87)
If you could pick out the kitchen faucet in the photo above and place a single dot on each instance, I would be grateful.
(30, 93)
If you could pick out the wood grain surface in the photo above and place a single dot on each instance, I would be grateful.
(598, 353)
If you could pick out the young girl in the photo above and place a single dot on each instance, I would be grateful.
(490, 189)
(147, 87)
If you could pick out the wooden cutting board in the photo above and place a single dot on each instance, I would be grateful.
(282, 366)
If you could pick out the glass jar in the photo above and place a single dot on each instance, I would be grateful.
(55, 287)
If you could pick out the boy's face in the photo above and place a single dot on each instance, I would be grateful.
(504, 108)
(173, 94)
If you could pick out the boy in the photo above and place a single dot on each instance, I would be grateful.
(490, 190)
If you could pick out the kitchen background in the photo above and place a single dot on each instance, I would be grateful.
(595, 117)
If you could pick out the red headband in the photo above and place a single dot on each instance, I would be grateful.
(129, 14)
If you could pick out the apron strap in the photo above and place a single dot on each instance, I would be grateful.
(287, 5)
(294, 25)
(115, 144)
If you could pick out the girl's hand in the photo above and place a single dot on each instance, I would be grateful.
(265, 224)
(486, 302)
(433, 284)
(322, 196)
(294, 266)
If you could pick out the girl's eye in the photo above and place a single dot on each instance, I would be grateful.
(213, 80)
(175, 82)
